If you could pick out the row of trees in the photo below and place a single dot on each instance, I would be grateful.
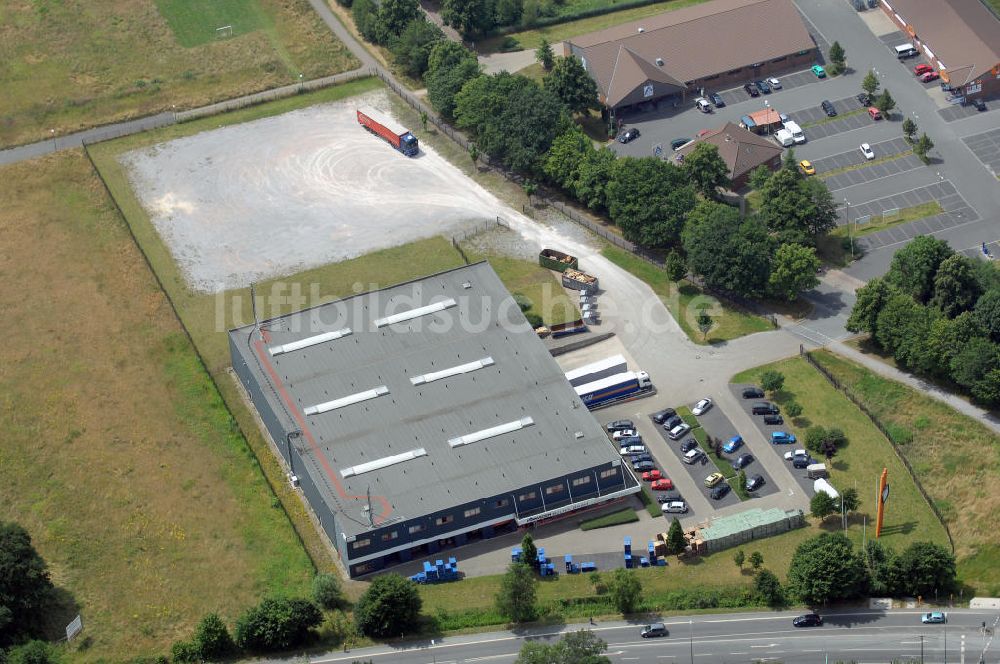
(402, 27)
(937, 312)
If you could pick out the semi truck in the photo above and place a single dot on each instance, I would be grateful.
(609, 366)
(565, 329)
(557, 260)
(580, 281)
(389, 130)
(605, 391)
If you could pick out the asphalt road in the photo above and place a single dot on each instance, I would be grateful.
(861, 636)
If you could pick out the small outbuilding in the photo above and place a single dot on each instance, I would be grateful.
(743, 151)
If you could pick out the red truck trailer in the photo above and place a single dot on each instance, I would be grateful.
(387, 128)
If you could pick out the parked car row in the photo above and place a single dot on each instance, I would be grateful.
(630, 443)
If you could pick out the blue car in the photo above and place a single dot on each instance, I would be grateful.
(735, 443)
(782, 438)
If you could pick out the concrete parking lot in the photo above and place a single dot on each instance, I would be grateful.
(986, 148)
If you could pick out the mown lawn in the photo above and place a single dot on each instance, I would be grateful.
(540, 285)
(626, 515)
(685, 302)
(955, 458)
(904, 216)
(73, 64)
(118, 454)
(858, 465)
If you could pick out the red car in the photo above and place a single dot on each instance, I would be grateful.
(920, 70)
(652, 476)
(930, 76)
(874, 113)
(662, 485)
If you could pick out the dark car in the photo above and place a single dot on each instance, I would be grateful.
(863, 99)
(979, 104)
(801, 461)
(808, 620)
(773, 419)
(765, 408)
(628, 135)
(672, 421)
(763, 86)
(742, 461)
(720, 491)
(753, 393)
(620, 425)
(662, 416)
(751, 90)
(828, 108)
(654, 630)
(755, 482)
(678, 143)
(716, 99)
(688, 445)
(670, 496)
(641, 457)
(643, 466)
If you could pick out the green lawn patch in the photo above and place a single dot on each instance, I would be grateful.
(652, 507)
(686, 301)
(956, 458)
(904, 216)
(624, 515)
(540, 285)
(195, 22)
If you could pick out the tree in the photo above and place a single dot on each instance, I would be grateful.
(913, 267)
(945, 338)
(793, 271)
(544, 55)
(529, 552)
(508, 12)
(909, 129)
(974, 361)
(772, 381)
(987, 313)
(25, 588)
(562, 164)
(581, 647)
(923, 569)
(793, 409)
(923, 146)
(706, 170)
(648, 199)
(676, 543)
(849, 500)
(592, 178)
(277, 624)
(759, 177)
(395, 15)
(871, 298)
(826, 568)
(389, 607)
(837, 55)
(412, 50)
(326, 591)
(625, 590)
(33, 652)
(212, 639)
(902, 328)
(885, 102)
(729, 254)
(815, 435)
(365, 15)
(470, 17)
(870, 84)
(756, 560)
(705, 323)
(739, 558)
(878, 560)
(516, 598)
(796, 209)
(822, 505)
(767, 588)
(449, 67)
(571, 83)
(676, 266)
(956, 288)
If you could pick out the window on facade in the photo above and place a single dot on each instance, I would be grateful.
(471, 513)
(757, 65)
(364, 568)
(361, 543)
(581, 480)
(735, 71)
(388, 537)
(555, 488)
(781, 59)
(416, 529)
(531, 495)
(610, 472)
(802, 52)
(442, 520)
(503, 502)
(711, 78)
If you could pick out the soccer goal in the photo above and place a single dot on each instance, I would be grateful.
(224, 32)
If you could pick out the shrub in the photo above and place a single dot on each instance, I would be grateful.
(326, 591)
(534, 320)
(625, 590)
(767, 588)
(33, 652)
(212, 638)
(277, 624)
(523, 301)
(185, 652)
(516, 598)
(793, 409)
(390, 606)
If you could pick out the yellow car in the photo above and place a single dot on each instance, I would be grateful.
(713, 479)
(807, 167)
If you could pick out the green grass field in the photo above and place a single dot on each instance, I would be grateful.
(909, 518)
(956, 458)
(72, 64)
(685, 301)
(904, 216)
(540, 285)
(118, 454)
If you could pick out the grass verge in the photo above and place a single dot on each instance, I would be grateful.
(905, 216)
(141, 493)
(624, 515)
(75, 64)
(955, 458)
(685, 302)
(652, 507)
(909, 518)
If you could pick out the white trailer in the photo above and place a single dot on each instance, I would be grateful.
(588, 373)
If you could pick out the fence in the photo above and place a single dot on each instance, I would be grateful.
(885, 432)
(487, 225)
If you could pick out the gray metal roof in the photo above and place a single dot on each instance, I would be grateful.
(523, 381)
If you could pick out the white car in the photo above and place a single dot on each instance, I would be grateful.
(866, 150)
(675, 507)
(618, 435)
(792, 454)
(702, 407)
(774, 83)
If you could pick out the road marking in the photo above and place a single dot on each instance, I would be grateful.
(891, 175)
(766, 645)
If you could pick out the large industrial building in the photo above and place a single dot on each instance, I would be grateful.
(423, 416)
(961, 38)
(713, 45)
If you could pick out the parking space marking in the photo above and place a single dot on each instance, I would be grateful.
(986, 148)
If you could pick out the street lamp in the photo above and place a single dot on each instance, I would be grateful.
(300, 82)
(52, 133)
(850, 230)
(691, 637)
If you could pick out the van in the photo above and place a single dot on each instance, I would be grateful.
(816, 470)
(905, 51)
(633, 450)
(784, 138)
(703, 105)
(796, 131)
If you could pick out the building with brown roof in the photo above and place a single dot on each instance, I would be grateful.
(959, 37)
(715, 44)
(742, 151)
